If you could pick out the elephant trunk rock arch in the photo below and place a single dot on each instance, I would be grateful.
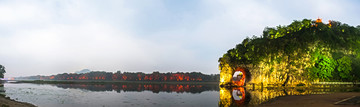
(226, 76)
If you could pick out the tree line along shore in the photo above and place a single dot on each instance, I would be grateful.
(129, 76)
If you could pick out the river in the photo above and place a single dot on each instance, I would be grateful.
(114, 95)
(147, 95)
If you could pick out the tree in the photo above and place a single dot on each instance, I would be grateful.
(2, 71)
(323, 68)
(355, 73)
(344, 68)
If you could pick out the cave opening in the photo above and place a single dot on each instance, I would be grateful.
(240, 77)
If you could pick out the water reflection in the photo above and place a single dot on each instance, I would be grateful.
(114, 95)
(155, 88)
(236, 96)
(240, 96)
(2, 90)
(160, 95)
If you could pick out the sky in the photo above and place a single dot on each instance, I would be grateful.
(39, 37)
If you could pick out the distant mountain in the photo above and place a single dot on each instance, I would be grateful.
(83, 71)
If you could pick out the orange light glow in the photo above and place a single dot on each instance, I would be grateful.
(318, 20)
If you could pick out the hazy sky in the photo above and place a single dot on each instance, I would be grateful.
(39, 37)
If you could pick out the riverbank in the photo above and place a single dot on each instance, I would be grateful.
(7, 102)
(320, 100)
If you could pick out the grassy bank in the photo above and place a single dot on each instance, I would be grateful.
(7, 102)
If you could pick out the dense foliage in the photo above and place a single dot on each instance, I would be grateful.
(129, 76)
(304, 51)
(155, 88)
(2, 71)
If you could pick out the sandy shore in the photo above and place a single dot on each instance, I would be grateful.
(6, 102)
(324, 100)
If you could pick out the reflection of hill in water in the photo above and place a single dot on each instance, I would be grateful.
(155, 88)
(239, 96)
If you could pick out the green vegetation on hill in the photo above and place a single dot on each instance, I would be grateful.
(302, 52)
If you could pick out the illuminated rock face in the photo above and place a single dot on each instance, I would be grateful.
(226, 76)
(226, 73)
(268, 73)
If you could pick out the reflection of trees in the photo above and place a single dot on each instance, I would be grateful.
(2, 71)
(239, 96)
(2, 90)
(129, 76)
(155, 88)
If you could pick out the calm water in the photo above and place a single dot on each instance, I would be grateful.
(114, 95)
(149, 95)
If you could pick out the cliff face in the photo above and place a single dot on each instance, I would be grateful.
(302, 52)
